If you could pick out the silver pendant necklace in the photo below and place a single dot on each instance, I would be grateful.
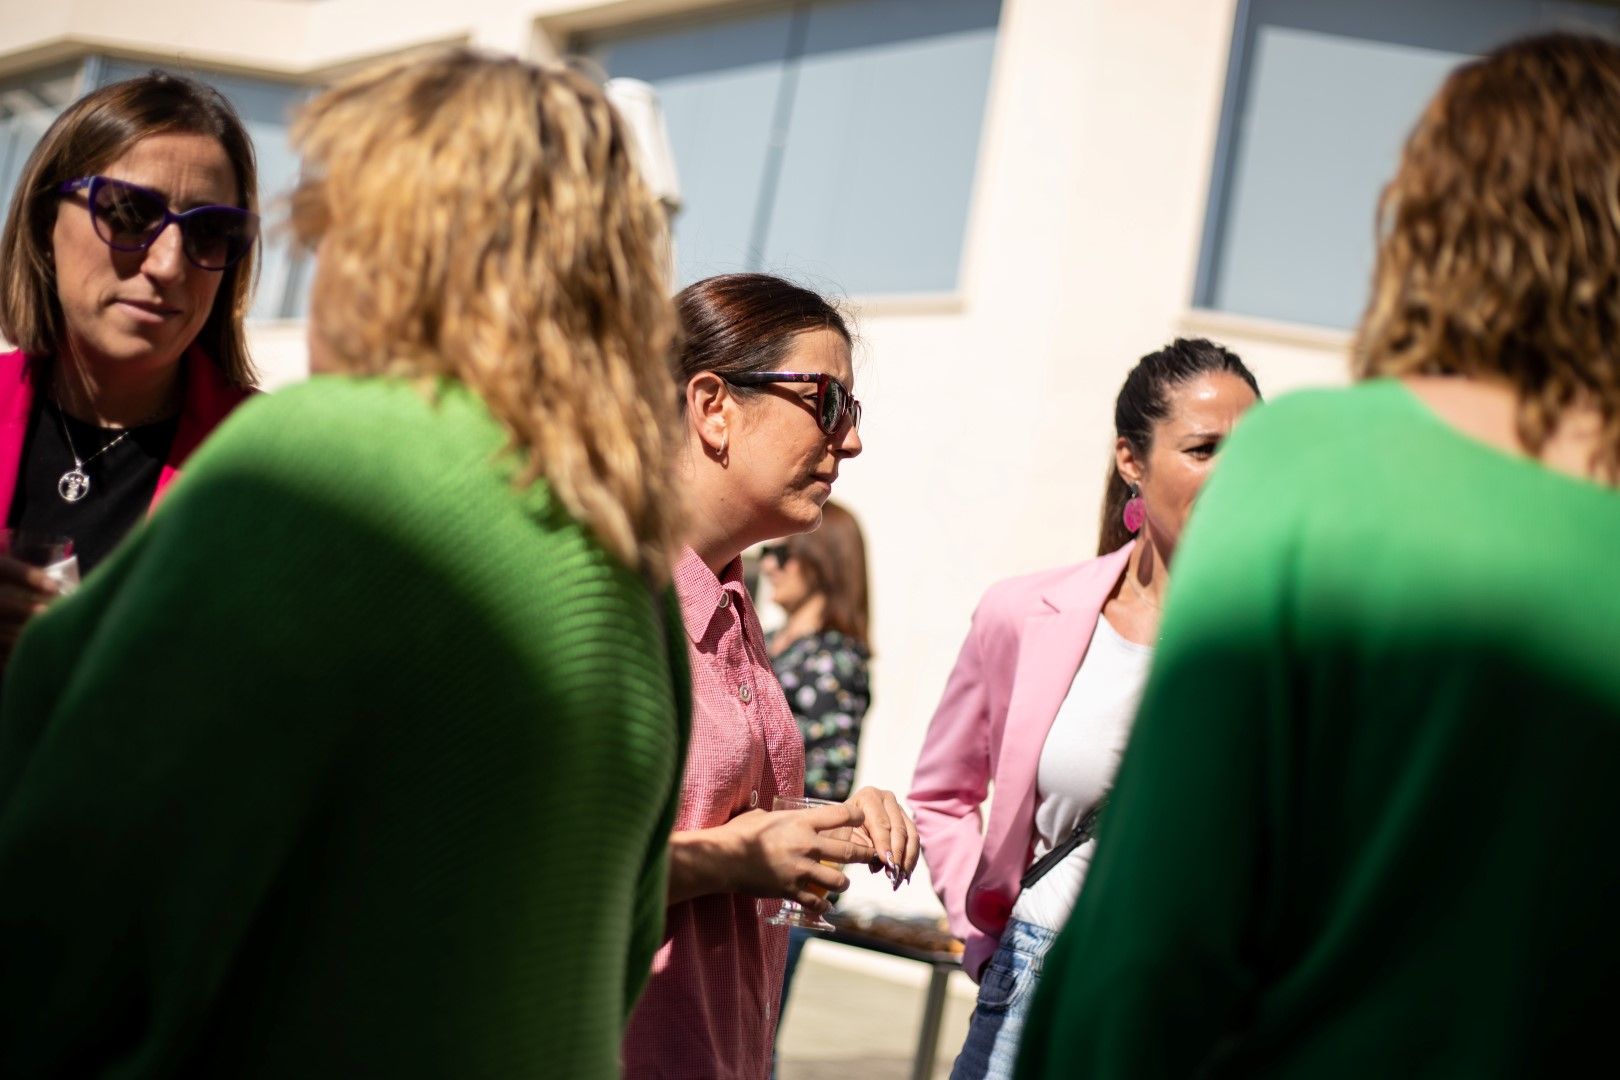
(75, 483)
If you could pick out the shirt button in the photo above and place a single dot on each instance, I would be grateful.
(725, 600)
(745, 693)
(753, 798)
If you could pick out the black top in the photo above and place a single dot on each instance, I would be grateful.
(122, 480)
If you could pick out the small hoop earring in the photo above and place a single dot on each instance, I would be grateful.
(1135, 512)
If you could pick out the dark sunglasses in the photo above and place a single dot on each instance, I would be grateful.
(780, 552)
(128, 217)
(833, 401)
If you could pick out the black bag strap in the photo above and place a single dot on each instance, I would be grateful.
(1082, 832)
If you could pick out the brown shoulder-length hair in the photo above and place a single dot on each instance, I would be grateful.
(90, 135)
(480, 218)
(832, 558)
(732, 324)
(1499, 245)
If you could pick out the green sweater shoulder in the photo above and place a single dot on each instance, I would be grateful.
(368, 759)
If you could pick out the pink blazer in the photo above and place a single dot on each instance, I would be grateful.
(1028, 637)
(208, 400)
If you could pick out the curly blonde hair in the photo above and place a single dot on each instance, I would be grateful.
(481, 218)
(1499, 253)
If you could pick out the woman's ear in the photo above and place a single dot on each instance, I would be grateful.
(708, 411)
(1125, 460)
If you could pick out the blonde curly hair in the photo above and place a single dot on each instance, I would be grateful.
(481, 218)
(1499, 247)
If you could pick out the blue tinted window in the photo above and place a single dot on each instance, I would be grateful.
(829, 141)
(28, 105)
(1321, 96)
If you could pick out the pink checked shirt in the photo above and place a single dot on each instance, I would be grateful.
(710, 1007)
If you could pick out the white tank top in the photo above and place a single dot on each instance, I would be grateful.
(1077, 765)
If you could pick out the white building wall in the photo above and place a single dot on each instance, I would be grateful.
(988, 412)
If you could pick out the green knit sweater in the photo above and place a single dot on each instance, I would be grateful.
(354, 761)
(1365, 823)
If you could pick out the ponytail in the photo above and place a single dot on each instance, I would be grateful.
(1113, 533)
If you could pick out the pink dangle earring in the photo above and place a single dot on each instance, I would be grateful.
(1135, 514)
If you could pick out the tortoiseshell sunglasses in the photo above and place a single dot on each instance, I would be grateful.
(833, 400)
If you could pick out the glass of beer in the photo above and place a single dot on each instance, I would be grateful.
(791, 914)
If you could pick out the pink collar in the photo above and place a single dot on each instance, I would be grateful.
(702, 594)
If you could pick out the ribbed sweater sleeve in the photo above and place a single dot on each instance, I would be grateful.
(355, 761)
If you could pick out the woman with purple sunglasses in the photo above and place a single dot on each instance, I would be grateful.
(130, 337)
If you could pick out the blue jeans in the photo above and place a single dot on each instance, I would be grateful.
(797, 936)
(1006, 987)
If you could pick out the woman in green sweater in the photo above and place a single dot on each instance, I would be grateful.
(361, 758)
(1364, 824)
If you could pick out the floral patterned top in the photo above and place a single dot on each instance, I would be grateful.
(825, 680)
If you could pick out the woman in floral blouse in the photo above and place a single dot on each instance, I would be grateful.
(820, 654)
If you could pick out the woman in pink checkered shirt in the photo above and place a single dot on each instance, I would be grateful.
(765, 377)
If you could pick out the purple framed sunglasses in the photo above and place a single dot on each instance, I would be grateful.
(128, 217)
(833, 400)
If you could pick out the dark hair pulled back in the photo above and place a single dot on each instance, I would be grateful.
(737, 323)
(1144, 401)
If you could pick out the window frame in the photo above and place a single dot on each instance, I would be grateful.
(576, 34)
(1213, 235)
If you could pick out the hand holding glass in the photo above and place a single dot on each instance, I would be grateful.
(791, 913)
(52, 554)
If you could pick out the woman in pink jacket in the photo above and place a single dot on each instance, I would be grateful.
(1041, 700)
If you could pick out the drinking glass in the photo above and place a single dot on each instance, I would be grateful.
(53, 554)
(791, 914)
